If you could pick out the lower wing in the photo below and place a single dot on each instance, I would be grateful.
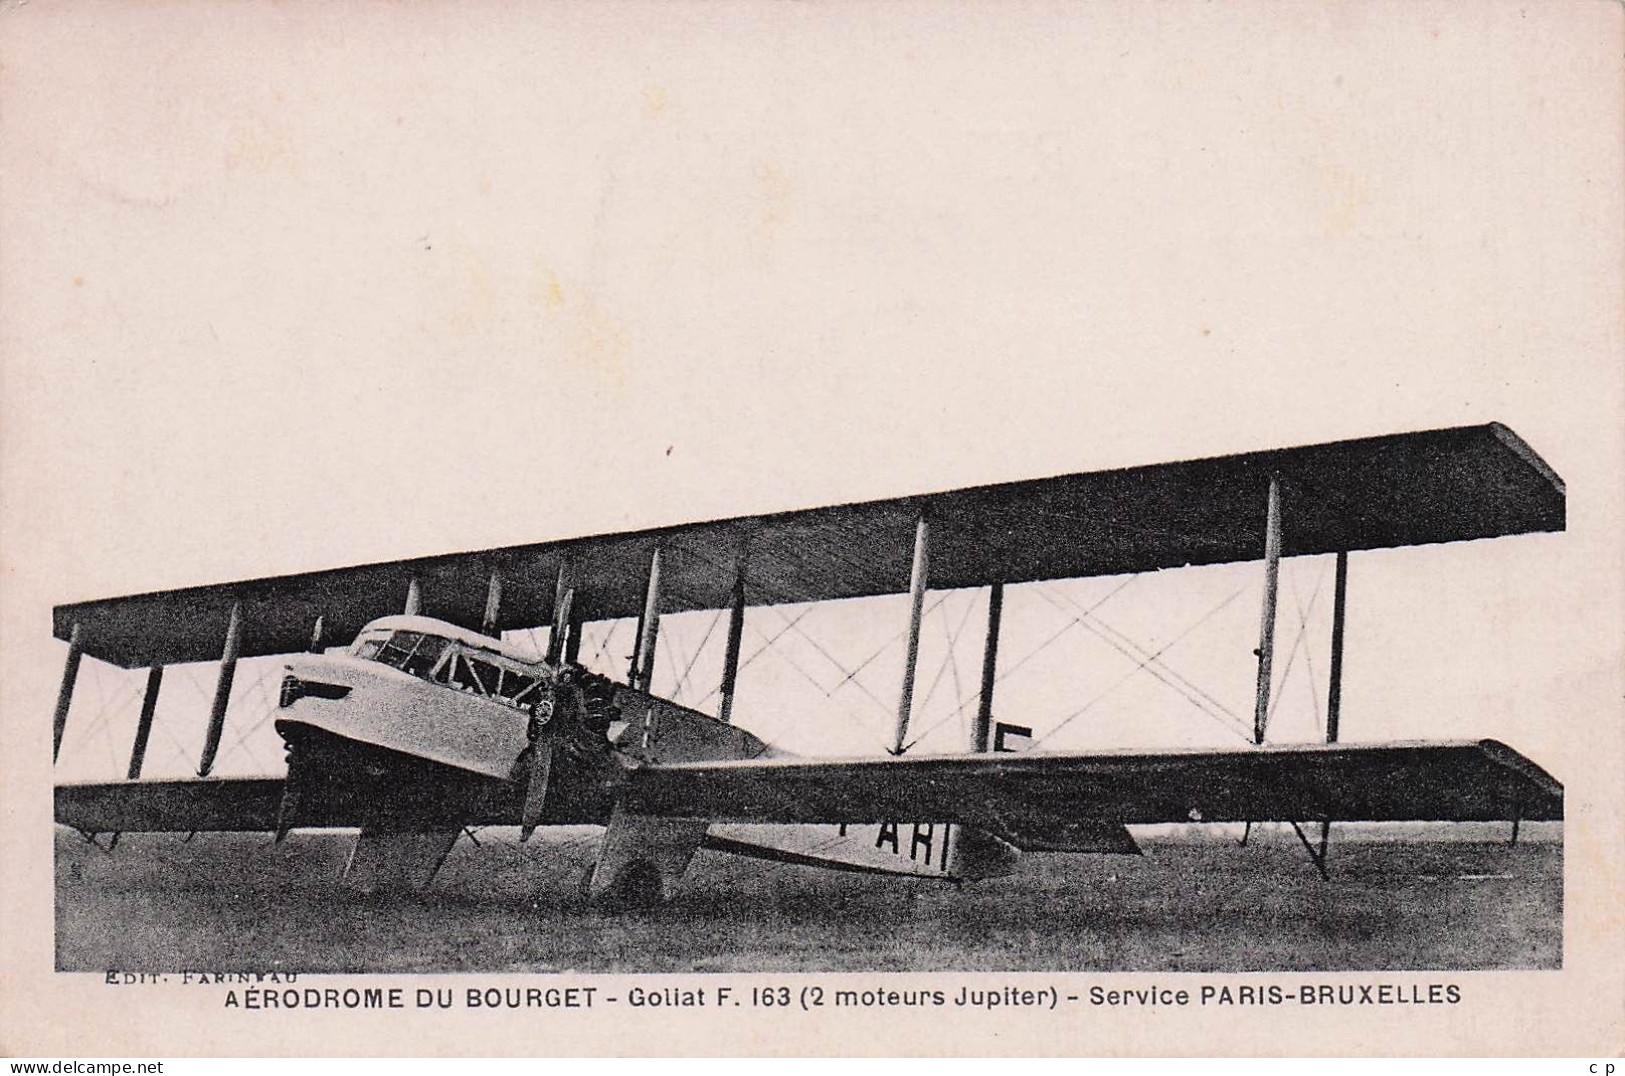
(201, 806)
(1032, 800)
(384, 857)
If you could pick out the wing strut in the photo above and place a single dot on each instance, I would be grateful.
(919, 580)
(143, 726)
(222, 689)
(414, 597)
(1266, 628)
(1334, 691)
(562, 636)
(643, 658)
(64, 697)
(572, 639)
(563, 598)
(1334, 702)
(493, 605)
(730, 657)
(990, 666)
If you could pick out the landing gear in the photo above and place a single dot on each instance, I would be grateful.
(1316, 855)
(637, 885)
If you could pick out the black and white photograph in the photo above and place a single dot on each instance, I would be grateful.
(1045, 527)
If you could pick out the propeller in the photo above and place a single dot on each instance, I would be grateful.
(287, 808)
(540, 767)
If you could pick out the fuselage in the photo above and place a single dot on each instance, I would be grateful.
(421, 725)
(420, 714)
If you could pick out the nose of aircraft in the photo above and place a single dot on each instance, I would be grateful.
(320, 678)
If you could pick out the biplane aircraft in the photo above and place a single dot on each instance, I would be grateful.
(427, 722)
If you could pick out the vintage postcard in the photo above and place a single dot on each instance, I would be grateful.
(752, 528)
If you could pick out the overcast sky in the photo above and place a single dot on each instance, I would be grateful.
(289, 287)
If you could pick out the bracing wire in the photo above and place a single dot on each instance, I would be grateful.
(830, 692)
(1297, 641)
(1159, 669)
(1126, 676)
(1010, 670)
(698, 650)
(949, 661)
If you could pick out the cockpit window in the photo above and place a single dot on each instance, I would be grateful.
(398, 648)
(441, 661)
(410, 651)
(468, 673)
(367, 644)
(425, 656)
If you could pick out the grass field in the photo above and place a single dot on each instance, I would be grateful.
(1193, 902)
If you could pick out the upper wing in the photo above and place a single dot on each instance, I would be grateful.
(1403, 489)
(1022, 797)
